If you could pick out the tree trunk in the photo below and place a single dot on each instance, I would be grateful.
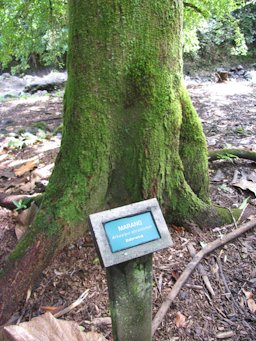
(130, 131)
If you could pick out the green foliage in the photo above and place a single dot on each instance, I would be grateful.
(21, 204)
(217, 28)
(226, 156)
(246, 17)
(32, 33)
(25, 139)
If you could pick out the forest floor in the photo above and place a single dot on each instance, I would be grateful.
(29, 145)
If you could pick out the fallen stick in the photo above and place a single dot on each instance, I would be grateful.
(192, 265)
(201, 269)
(99, 321)
(73, 305)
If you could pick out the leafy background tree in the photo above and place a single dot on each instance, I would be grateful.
(219, 29)
(34, 33)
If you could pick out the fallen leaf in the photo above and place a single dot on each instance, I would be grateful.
(246, 185)
(219, 176)
(175, 274)
(178, 229)
(250, 301)
(6, 174)
(47, 327)
(43, 172)
(20, 230)
(92, 336)
(29, 186)
(251, 305)
(247, 294)
(26, 216)
(28, 166)
(180, 320)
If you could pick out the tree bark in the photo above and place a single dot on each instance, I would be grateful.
(130, 132)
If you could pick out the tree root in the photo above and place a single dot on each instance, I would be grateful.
(191, 267)
(218, 154)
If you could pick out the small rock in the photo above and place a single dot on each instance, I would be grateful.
(184, 295)
(239, 67)
(241, 72)
(248, 75)
(219, 176)
(5, 75)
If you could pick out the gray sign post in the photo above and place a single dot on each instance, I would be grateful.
(126, 238)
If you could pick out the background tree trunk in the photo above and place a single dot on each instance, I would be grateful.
(130, 131)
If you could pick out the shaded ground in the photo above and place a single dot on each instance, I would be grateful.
(227, 111)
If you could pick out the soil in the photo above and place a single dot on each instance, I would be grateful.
(227, 111)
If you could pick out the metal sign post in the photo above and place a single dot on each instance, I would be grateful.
(126, 238)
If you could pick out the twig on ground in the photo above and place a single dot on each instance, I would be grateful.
(25, 306)
(223, 276)
(195, 287)
(201, 270)
(233, 218)
(239, 308)
(73, 305)
(157, 284)
(241, 215)
(225, 335)
(192, 265)
(99, 321)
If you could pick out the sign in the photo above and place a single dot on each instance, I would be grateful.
(129, 232)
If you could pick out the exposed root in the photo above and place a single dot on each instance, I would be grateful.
(218, 154)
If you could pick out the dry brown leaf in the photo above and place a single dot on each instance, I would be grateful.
(26, 216)
(20, 230)
(29, 186)
(47, 328)
(246, 185)
(175, 274)
(43, 172)
(24, 219)
(178, 229)
(251, 305)
(250, 301)
(28, 166)
(180, 320)
(6, 173)
(247, 294)
(92, 336)
(51, 309)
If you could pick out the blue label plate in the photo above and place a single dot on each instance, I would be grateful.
(127, 232)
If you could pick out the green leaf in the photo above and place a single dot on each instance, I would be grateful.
(244, 203)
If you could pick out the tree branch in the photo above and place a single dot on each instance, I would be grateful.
(195, 8)
(192, 265)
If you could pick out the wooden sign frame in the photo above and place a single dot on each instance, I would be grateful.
(103, 244)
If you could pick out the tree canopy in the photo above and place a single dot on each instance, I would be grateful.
(34, 33)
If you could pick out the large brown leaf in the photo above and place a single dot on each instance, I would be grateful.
(47, 328)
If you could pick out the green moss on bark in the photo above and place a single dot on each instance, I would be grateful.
(130, 286)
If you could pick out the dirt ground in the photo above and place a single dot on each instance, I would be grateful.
(29, 139)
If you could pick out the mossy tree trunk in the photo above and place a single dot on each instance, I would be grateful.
(130, 131)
